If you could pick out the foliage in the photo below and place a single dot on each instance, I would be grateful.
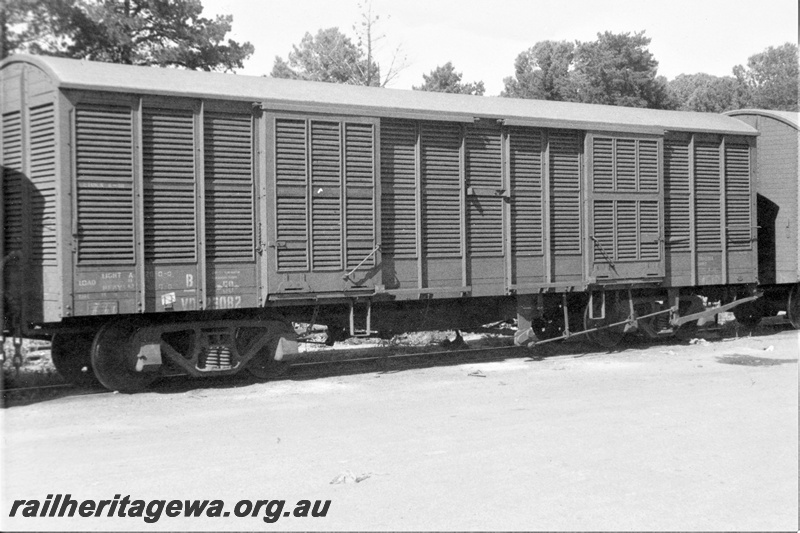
(706, 93)
(619, 70)
(328, 56)
(542, 72)
(616, 69)
(445, 79)
(771, 78)
(139, 32)
(331, 56)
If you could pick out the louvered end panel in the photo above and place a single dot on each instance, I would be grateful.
(737, 197)
(603, 231)
(708, 192)
(229, 187)
(12, 182)
(485, 224)
(441, 223)
(43, 179)
(484, 161)
(525, 163)
(104, 165)
(170, 232)
(565, 179)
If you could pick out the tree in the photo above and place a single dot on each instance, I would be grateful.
(329, 56)
(771, 79)
(705, 93)
(542, 72)
(445, 79)
(619, 70)
(332, 56)
(137, 32)
(614, 69)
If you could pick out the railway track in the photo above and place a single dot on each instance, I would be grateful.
(324, 363)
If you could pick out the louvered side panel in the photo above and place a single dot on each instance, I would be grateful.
(291, 180)
(484, 162)
(648, 165)
(603, 164)
(677, 212)
(649, 231)
(708, 197)
(604, 234)
(526, 191)
(626, 165)
(441, 204)
(170, 233)
(12, 182)
(42, 174)
(627, 230)
(104, 166)
(484, 169)
(228, 149)
(398, 188)
(737, 196)
(565, 179)
(326, 183)
(360, 193)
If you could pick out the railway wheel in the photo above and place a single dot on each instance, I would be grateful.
(263, 365)
(749, 314)
(72, 357)
(793, 309)
(607, 337)
(114, 357)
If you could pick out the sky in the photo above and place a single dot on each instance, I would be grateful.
(482, 38)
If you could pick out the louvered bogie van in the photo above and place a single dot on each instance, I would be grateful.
(162, 220)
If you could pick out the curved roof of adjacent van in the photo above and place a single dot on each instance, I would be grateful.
(301, 95)
(787, 117)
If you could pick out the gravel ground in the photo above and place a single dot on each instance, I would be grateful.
(695, 435)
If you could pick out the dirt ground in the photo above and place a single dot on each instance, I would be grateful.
(671, 436)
